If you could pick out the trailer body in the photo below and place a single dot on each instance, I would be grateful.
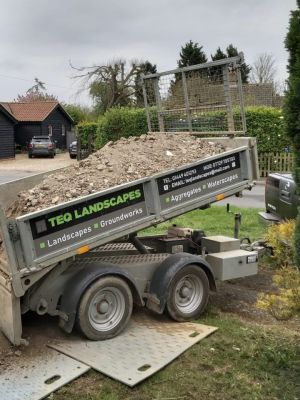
(57, 250)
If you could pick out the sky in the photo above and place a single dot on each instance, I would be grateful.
(40, 38)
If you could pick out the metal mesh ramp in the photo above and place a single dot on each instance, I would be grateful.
(37, 377)
(147, 345)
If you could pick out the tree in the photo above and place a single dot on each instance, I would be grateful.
(219, 55)
(263, 70)
(292, 106)
(79, 113)
(245, 69)
(109, 85)
(37, 92)
(144, 68)
(216, 72)
(191, 54)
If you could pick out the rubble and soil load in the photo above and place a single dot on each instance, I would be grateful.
(116, 163)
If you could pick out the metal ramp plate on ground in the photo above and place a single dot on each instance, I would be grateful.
(148, 344)
(37, 377)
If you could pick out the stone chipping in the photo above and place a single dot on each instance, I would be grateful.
(116, 163)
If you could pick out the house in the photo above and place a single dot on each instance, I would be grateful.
(39, 118)
(7, 139)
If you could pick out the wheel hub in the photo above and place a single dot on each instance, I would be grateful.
(102, 307)
(185, 292)
(188, 293)
(106, 309)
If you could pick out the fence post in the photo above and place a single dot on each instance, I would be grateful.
(90, 144)
(186, 101)
(146, 103)
(230, 120)
(159, 106)
(78, 148)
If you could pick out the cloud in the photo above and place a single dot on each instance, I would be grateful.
(39, 37)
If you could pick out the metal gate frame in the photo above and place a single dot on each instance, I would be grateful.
(228, 65)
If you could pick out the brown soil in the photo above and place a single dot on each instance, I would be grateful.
(38, 331)
(116, 163)
(239, 297)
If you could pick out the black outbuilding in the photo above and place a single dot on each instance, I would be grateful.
(7, 135)
(40, 118)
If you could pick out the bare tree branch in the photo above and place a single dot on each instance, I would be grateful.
(263, 69)
(110, 85)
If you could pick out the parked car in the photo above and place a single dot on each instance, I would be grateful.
(73, 149)
(281, 199)
(41, 146)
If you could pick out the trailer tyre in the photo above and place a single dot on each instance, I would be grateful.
(188, 294)
(105, 308)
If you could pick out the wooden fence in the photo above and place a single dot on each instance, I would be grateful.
(275, 162)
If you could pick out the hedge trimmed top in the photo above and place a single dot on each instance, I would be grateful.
(264, 123)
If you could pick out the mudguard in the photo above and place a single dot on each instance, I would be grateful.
(165, 272)
(80, 281)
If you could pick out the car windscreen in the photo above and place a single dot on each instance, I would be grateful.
(41, 139)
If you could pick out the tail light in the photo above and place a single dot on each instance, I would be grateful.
(50, 146)
(30, 146)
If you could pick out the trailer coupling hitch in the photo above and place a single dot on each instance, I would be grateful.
(251, 186)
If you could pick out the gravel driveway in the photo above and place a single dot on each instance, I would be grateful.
(22, 163)
(22, 166)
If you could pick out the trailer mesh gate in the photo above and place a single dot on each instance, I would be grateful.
(205, 98)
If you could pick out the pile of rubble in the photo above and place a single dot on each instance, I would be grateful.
(116, 163)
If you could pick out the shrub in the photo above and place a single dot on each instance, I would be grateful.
(121, 122)
(280, 238)
(78, 113)
(286, 302)
(85, 129)
(267, 125)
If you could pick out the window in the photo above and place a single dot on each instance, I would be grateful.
(63, 130)
(50, 130)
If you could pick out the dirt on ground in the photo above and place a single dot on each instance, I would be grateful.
(116, 163)
(239, 297)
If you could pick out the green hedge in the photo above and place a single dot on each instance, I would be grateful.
(85, 129)
(267, 125)
(121, 122)
(264, 123)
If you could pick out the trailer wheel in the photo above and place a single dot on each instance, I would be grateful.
(105, 308)
(188, 294)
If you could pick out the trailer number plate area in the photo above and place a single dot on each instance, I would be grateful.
(83, 220)
(185, 185)
(252, 259)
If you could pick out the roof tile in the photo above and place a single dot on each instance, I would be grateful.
(33, 111)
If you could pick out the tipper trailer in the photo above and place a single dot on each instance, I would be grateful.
(83, 262)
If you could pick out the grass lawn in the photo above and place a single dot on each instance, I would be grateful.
(240, 361)
(216, 221)
(244, 360)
